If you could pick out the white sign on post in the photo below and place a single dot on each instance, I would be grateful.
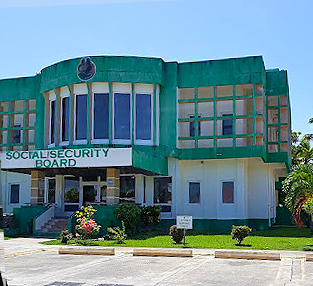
(184, 222)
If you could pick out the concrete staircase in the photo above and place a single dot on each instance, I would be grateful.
(55, 225)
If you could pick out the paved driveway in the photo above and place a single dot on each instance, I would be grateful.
(28, 263)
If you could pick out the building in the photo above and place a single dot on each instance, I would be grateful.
(207, 139)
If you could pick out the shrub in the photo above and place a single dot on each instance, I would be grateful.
(240, 232)
(176, 234)
(128, 213)
(86, 227)
(87, 212)
(65, 236)
(117, 234)
(150, 215)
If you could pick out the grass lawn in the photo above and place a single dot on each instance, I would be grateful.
(275, 238)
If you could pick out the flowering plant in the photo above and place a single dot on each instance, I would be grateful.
(86, 226)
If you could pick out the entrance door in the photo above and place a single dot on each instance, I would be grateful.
(89, 194)
(71, 195)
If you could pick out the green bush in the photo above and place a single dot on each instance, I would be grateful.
(128, 213)
(65, 236)
(176, 234)
(118, 234)
(150, 215)
(240, 232)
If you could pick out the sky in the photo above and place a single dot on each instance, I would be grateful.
(37, 33)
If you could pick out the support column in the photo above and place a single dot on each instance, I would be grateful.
(113, 186)
(37, 195)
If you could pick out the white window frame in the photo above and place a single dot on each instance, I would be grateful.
(64, 143)
(81, 141)
(19, 194)
(52, 97)
(221, 192)
(140, 141)
(93, 140)
(122, 141)
(188, 190)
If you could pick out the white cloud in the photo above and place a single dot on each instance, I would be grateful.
(37, 3)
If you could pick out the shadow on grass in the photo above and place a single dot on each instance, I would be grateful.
(243, 245)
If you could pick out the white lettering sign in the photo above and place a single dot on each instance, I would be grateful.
(67, 158)
(184, 222)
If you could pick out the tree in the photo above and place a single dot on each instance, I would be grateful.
(298, 187)
(302, 152)
(308, 208)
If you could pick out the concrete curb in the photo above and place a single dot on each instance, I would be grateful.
(163, 252)
(87, 250)
(247, 255)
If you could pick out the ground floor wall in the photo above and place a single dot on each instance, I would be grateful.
(16, 190)
(215, 192)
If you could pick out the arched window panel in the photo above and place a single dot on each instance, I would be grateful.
(100, 113)
(144, 114)
(122, 113)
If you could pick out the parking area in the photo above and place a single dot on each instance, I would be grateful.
(35, 265)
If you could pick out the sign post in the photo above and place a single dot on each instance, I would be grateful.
(184, 222)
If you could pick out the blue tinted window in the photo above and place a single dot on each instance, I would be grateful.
(15, 194)
(101, 116)
(81, 117)
(52, 121)
(227, 125)
(194, 193)
(143, 116)
(122, 116)
(65, 118)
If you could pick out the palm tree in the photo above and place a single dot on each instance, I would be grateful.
(302, 152)
(298, 187)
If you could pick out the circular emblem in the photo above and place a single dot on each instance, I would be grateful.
(86, 69)
(110, 182)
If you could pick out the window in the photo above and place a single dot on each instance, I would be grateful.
(65, 119)
(227, 125)
(17, 134)
(163, 193)
(81, 117)
(143, 116)
(14, 193)
(127, 188)
(122, 121)
(192, 127)
(194, 192)
(101, 116)
(228, 192)
(51, 191)
(52, 121)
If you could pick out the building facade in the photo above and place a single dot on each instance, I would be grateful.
(207, 139)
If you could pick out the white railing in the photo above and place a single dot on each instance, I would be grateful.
(44, 217)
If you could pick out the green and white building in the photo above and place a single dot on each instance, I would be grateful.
(207, 139)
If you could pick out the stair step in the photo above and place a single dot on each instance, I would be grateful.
(54, 225)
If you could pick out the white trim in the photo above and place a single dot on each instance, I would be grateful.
(157, 110)
(140, 141)
(93, 140)
(122, 141)
(19, 193)
(188, 195)
(221, 192)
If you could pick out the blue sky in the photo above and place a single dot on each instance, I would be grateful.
(281, 31)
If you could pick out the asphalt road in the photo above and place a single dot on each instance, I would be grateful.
(30, 264)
